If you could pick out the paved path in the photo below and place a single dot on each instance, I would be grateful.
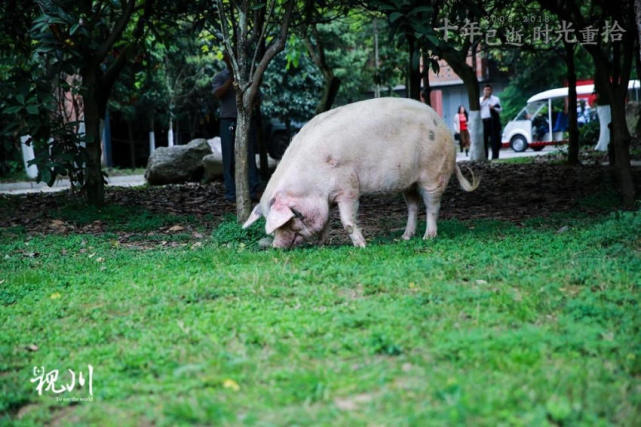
(63, 184)
(136, 180)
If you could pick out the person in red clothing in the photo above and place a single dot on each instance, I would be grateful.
(460, 126)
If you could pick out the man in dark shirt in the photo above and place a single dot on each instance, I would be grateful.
(224, 90)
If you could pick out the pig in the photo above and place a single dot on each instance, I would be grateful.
(375, 146)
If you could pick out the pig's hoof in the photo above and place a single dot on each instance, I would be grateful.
(430, 235)
(265, 242)
(407, 236)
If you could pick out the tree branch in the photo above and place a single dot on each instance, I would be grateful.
(270, 52)
(116, 32)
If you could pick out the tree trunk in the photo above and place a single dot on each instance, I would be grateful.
(573, 147)
(170, 134)
(458, 62)
(331, 82)
(262, 145)
(621, 142)
(330, 90)
(637, 15)
(132, 144)
(94, 185)
(152, 137)
(427, 90)
(243, 201)
(413, 72)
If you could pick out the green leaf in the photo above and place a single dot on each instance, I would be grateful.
(395, 16)
(13, 110)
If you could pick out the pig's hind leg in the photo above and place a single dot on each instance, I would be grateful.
(411, 197)
(432, 200)
(348, 208)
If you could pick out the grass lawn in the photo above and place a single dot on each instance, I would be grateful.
(491, 323)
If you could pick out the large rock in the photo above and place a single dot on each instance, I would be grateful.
(177, 164)
(213, 163)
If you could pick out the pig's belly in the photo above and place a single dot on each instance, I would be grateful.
(387, 180)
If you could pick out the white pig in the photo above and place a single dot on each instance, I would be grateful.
(376, 146)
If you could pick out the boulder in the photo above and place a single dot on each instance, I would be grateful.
(213, 163)
(177, 164)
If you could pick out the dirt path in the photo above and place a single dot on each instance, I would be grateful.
(511, 192)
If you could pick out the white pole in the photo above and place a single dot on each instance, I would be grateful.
(605, 117)
(152, 142)
(27, 155)
(550, 120)
(170, 134)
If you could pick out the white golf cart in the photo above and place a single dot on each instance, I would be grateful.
(543, 121)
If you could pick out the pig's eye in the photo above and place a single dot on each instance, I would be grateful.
(297, 214)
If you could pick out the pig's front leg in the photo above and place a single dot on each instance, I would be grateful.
(411, 198)
(324, 234)
(348, 209)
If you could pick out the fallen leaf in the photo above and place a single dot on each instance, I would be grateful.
(351, 403)
(176, 228)
(32, 347)
(55, 295)
(229, 383)
(198, 235)
(100, 259)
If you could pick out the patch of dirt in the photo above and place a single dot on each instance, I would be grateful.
(509, 192)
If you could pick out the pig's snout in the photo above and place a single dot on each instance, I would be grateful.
(287, 239)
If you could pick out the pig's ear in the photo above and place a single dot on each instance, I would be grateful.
(253, 217)
(278, 215)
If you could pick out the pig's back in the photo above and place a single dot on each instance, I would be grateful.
(386, 142)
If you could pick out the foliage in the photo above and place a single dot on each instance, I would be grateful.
(351, 55)
(533, 71)
(589, 133)
(171, 78)
(491, 323)
(291, 86)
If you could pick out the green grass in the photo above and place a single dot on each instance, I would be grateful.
(489, 324)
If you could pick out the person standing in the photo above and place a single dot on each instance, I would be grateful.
(460, 127)
(224, 91)
(490, 109)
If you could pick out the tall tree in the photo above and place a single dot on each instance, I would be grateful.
(460, 38)
(242, 27)
(94, 40)
(612, 53)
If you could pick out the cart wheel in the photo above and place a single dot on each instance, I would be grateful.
(518, 143)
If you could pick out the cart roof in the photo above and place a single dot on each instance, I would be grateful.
(562, 92)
